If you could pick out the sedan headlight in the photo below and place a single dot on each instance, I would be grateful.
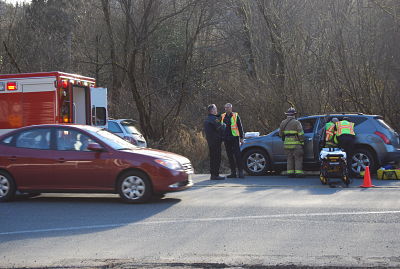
(171, 164)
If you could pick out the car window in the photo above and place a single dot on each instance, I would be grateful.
(34, 139)
(357, 120)
(7, 140)
(110, 139)
(99, 116)
(131, 129)
(385, 125)
(113, 127)
(72, 140)
(308, 125)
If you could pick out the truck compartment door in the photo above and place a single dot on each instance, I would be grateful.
(98, 101)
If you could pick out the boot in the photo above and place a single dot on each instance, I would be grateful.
(217, 178)
(241, 175)
(232, 175)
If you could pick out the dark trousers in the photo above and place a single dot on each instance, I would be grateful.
(232, 146)
(346, 142)
(215, 157)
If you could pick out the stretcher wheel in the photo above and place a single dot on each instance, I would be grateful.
(346, 180)
(323, 179)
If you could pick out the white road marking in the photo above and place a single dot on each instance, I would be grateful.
(185, 220)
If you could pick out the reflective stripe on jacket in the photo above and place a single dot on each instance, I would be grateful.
(330, 137)
(234, 126)
(292, 133)
(344, 127)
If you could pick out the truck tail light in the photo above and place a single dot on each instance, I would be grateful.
(11, 86)
(384, 138)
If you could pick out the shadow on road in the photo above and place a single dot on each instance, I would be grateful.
(65, 215)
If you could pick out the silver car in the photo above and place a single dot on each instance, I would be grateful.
(126, 129)
(376, 144)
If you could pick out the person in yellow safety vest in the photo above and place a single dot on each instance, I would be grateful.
(232, 139)
(292, 135)
(330, 134)
(346, 136)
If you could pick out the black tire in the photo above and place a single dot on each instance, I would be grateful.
(134, 187)
(361, 157)
(256, 162)
(158, 196)
(324, 180)
(7, 187)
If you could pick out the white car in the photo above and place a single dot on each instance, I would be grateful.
(126, 129)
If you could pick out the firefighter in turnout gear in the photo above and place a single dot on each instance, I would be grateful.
(346, 136)
(292, 135)
(330, 134)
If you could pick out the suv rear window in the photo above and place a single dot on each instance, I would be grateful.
(385, 125)
(357, 120)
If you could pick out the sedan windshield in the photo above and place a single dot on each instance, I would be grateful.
(110, 139)
(131, 129)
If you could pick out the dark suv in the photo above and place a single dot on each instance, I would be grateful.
(376, 144)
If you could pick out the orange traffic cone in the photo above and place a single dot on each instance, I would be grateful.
(367, 179)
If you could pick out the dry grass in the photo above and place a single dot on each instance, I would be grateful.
(193, 145)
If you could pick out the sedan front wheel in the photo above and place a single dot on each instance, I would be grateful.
(134, 187)
(7, 187)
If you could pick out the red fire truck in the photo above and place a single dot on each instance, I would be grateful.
(48, 98)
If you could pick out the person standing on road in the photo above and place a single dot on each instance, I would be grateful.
(214, 129)
(292, 135)
(346, 136)
(232, 139)
(330, 134)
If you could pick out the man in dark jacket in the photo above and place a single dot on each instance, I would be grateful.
(214, 129)
(233, 137)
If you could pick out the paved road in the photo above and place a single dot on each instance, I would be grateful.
(256, 221)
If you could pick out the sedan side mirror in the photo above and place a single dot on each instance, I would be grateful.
(95, 147)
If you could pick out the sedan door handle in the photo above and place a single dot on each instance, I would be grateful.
(61, 160)
(12, 158)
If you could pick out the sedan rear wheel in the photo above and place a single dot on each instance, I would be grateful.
(7, 187)
(256, 162)
(134, 187)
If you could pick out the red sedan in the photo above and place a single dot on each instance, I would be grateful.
(77, 158)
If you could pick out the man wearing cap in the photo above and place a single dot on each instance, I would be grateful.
(292, 135)
(330, 134)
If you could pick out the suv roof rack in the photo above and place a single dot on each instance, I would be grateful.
(344, 113)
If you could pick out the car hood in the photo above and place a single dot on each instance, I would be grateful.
(160, 154)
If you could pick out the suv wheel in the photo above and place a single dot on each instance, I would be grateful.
(360, 160)
(256, 162)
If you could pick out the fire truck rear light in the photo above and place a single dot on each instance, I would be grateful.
(11, 86)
